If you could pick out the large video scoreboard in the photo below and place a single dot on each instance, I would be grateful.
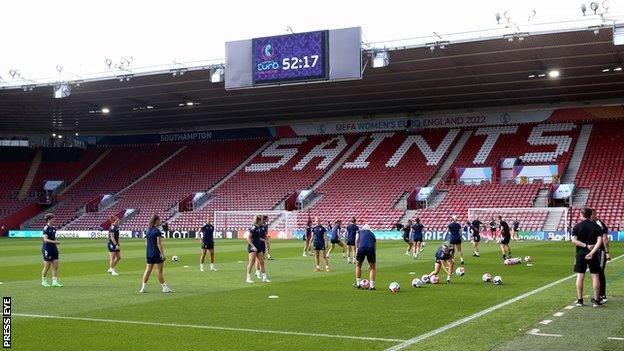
(326, 55)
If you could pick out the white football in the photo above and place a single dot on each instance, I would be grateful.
(435, 279)
(497, 280)
(175, 258)
(425, 278)
(460, 271)
(417, 283)
(487, 277)
(364, 284)
(394, 287)
(527, 259)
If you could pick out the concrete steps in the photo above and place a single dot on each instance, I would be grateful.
(30, 177)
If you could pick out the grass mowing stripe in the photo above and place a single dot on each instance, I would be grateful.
(194, 326)
(458, 322)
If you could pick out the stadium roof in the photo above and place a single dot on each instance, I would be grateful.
(488, 74)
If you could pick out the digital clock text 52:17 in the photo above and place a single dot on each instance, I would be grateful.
(298, 63)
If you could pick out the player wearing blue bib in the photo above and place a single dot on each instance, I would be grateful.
(416, 235)
(366, 249)
(454, 236)
(50, 253)
(114, 250)
(318, 241)
(256, 248)
(155, 255)
(352, 230)
(444, 260)
(206, 236)
(335, 239)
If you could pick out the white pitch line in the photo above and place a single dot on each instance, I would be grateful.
(210, 327)
(569, 307)
(536, 332)
(558, 314)
(615, 338)
(545, 322)
(467, 319)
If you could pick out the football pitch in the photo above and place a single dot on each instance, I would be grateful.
(313, 311)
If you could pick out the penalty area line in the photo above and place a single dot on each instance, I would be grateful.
(209, 327)
(476, 315)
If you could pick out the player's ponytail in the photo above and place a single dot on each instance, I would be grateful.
(155, 219)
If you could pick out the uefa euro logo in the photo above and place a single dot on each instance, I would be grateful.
(268, 52)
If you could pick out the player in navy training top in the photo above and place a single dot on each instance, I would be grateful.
(335, 239)
(352, 230)
(308, 239)
(405, 234)
(318, 241)
(474, 236)
(603, 253)
(256, 248)
(416, 235)
(50, 253)
(444, 260)
(265, 245)
(505, 238)
(366, 248)
(155, 255)
(206, 236)
(454, 236)
(114, 250)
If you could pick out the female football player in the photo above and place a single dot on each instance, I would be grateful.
(366, 248)
(335, 239)
(318, 233)
(308, 239)
(352, 230)
(416, 234)
(454, 236)
(444, 260)
(50, 253)
(206, 237)
(405, 233)
(475, 237)
(155, 255)
(256, 249)
(114, 250)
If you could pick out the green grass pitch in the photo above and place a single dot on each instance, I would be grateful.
(309, 302)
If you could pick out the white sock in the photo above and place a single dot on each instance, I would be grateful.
(248, 276)
(358, 281)
(258, 272)
(143, 286)
(164, 285)
(212, 266)
(44, 279)
(372, 284)
(54, 279)
(201, 265)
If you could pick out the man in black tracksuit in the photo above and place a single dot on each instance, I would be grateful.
(587, 239)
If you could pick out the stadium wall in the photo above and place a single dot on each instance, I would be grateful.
(363, 125)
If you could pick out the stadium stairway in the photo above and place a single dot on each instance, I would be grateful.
(577, 155)
(437, 199)
(409, 214)
(579, 199)
(553, 219)
(541, 200)
(450, 159)
(30, 177)
(85, 172)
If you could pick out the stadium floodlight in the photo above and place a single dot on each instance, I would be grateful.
(190, 103)
(553, 73)
(507, 16)
(105, 110)
(617, 69)
(583, 9)
(605, 70)
(498, 17)
(54, 135)
(381, 59)
(217, 75)
(60, 91)
(594, 6)
(76, 134)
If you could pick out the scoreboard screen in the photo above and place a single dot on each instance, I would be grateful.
(290, 58)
